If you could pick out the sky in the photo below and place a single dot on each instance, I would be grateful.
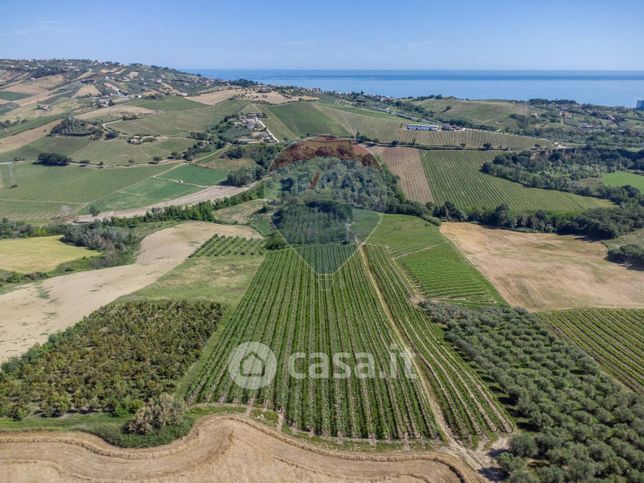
(332, 34)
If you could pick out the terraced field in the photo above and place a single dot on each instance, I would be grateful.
(613, 337)
(231, 245)
(455, 176)
(290, 309)
(434, 264)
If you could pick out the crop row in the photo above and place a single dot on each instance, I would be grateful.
(231, 245)
(614, 337)
(291, 308)
(468, 405)
(456, 176)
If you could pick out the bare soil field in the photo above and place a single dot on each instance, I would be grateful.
(208, 194)
(32, 312)
(87, 90)
(26, 137)
(406, 164)
(215, 97)
(219, 448)
(543, 271)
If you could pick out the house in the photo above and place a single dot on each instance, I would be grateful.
(422, 127)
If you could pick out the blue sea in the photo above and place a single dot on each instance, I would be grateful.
(611, 88)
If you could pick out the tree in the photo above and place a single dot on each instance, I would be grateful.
(157, 414)
(53, 159)
(94, 211)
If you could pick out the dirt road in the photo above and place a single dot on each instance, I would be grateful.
(219, 448)
(208, 194)
(32, 312)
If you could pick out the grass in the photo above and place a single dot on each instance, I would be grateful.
(119, 152)
(222, 279)
(456, 176)
(180, 123)
(42, 191)
(110, 428)
(67, 145)
(613, 337)
(434, 264)
(167, 103)
(143, 193)
(304, 119)
(623, 178)
(392, 129)
(12, 96)
(27, 124)
(195, 175)
(38, 254)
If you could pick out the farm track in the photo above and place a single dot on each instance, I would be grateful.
(33, 311)
(219, 448)
(208, 194)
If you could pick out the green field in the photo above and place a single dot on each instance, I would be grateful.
(67, 145)
(143, 193)
(27, 124)
(456, 176)
(223, 279)
(38, 254)
(219, 246)
(623, 178)
(469, 407)
(180, 123)
(168, 103)
(119, 152)
(291, 309)
(613, 337)
(433, 262)
(196, 175)
(496, 114)
(390, 129)
(12, 96)
(43, 191)
(303, 119)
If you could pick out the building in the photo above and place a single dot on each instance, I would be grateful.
(640, 106)
(422, 127)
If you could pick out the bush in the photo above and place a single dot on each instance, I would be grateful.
(160, 412)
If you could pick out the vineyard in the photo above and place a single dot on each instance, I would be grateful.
(469, 407)
(435, 266)
(388, 130)
(613, 337)
(290, 308)
(220, 245)
(405, 163)
(45, 192)
(456, 176)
